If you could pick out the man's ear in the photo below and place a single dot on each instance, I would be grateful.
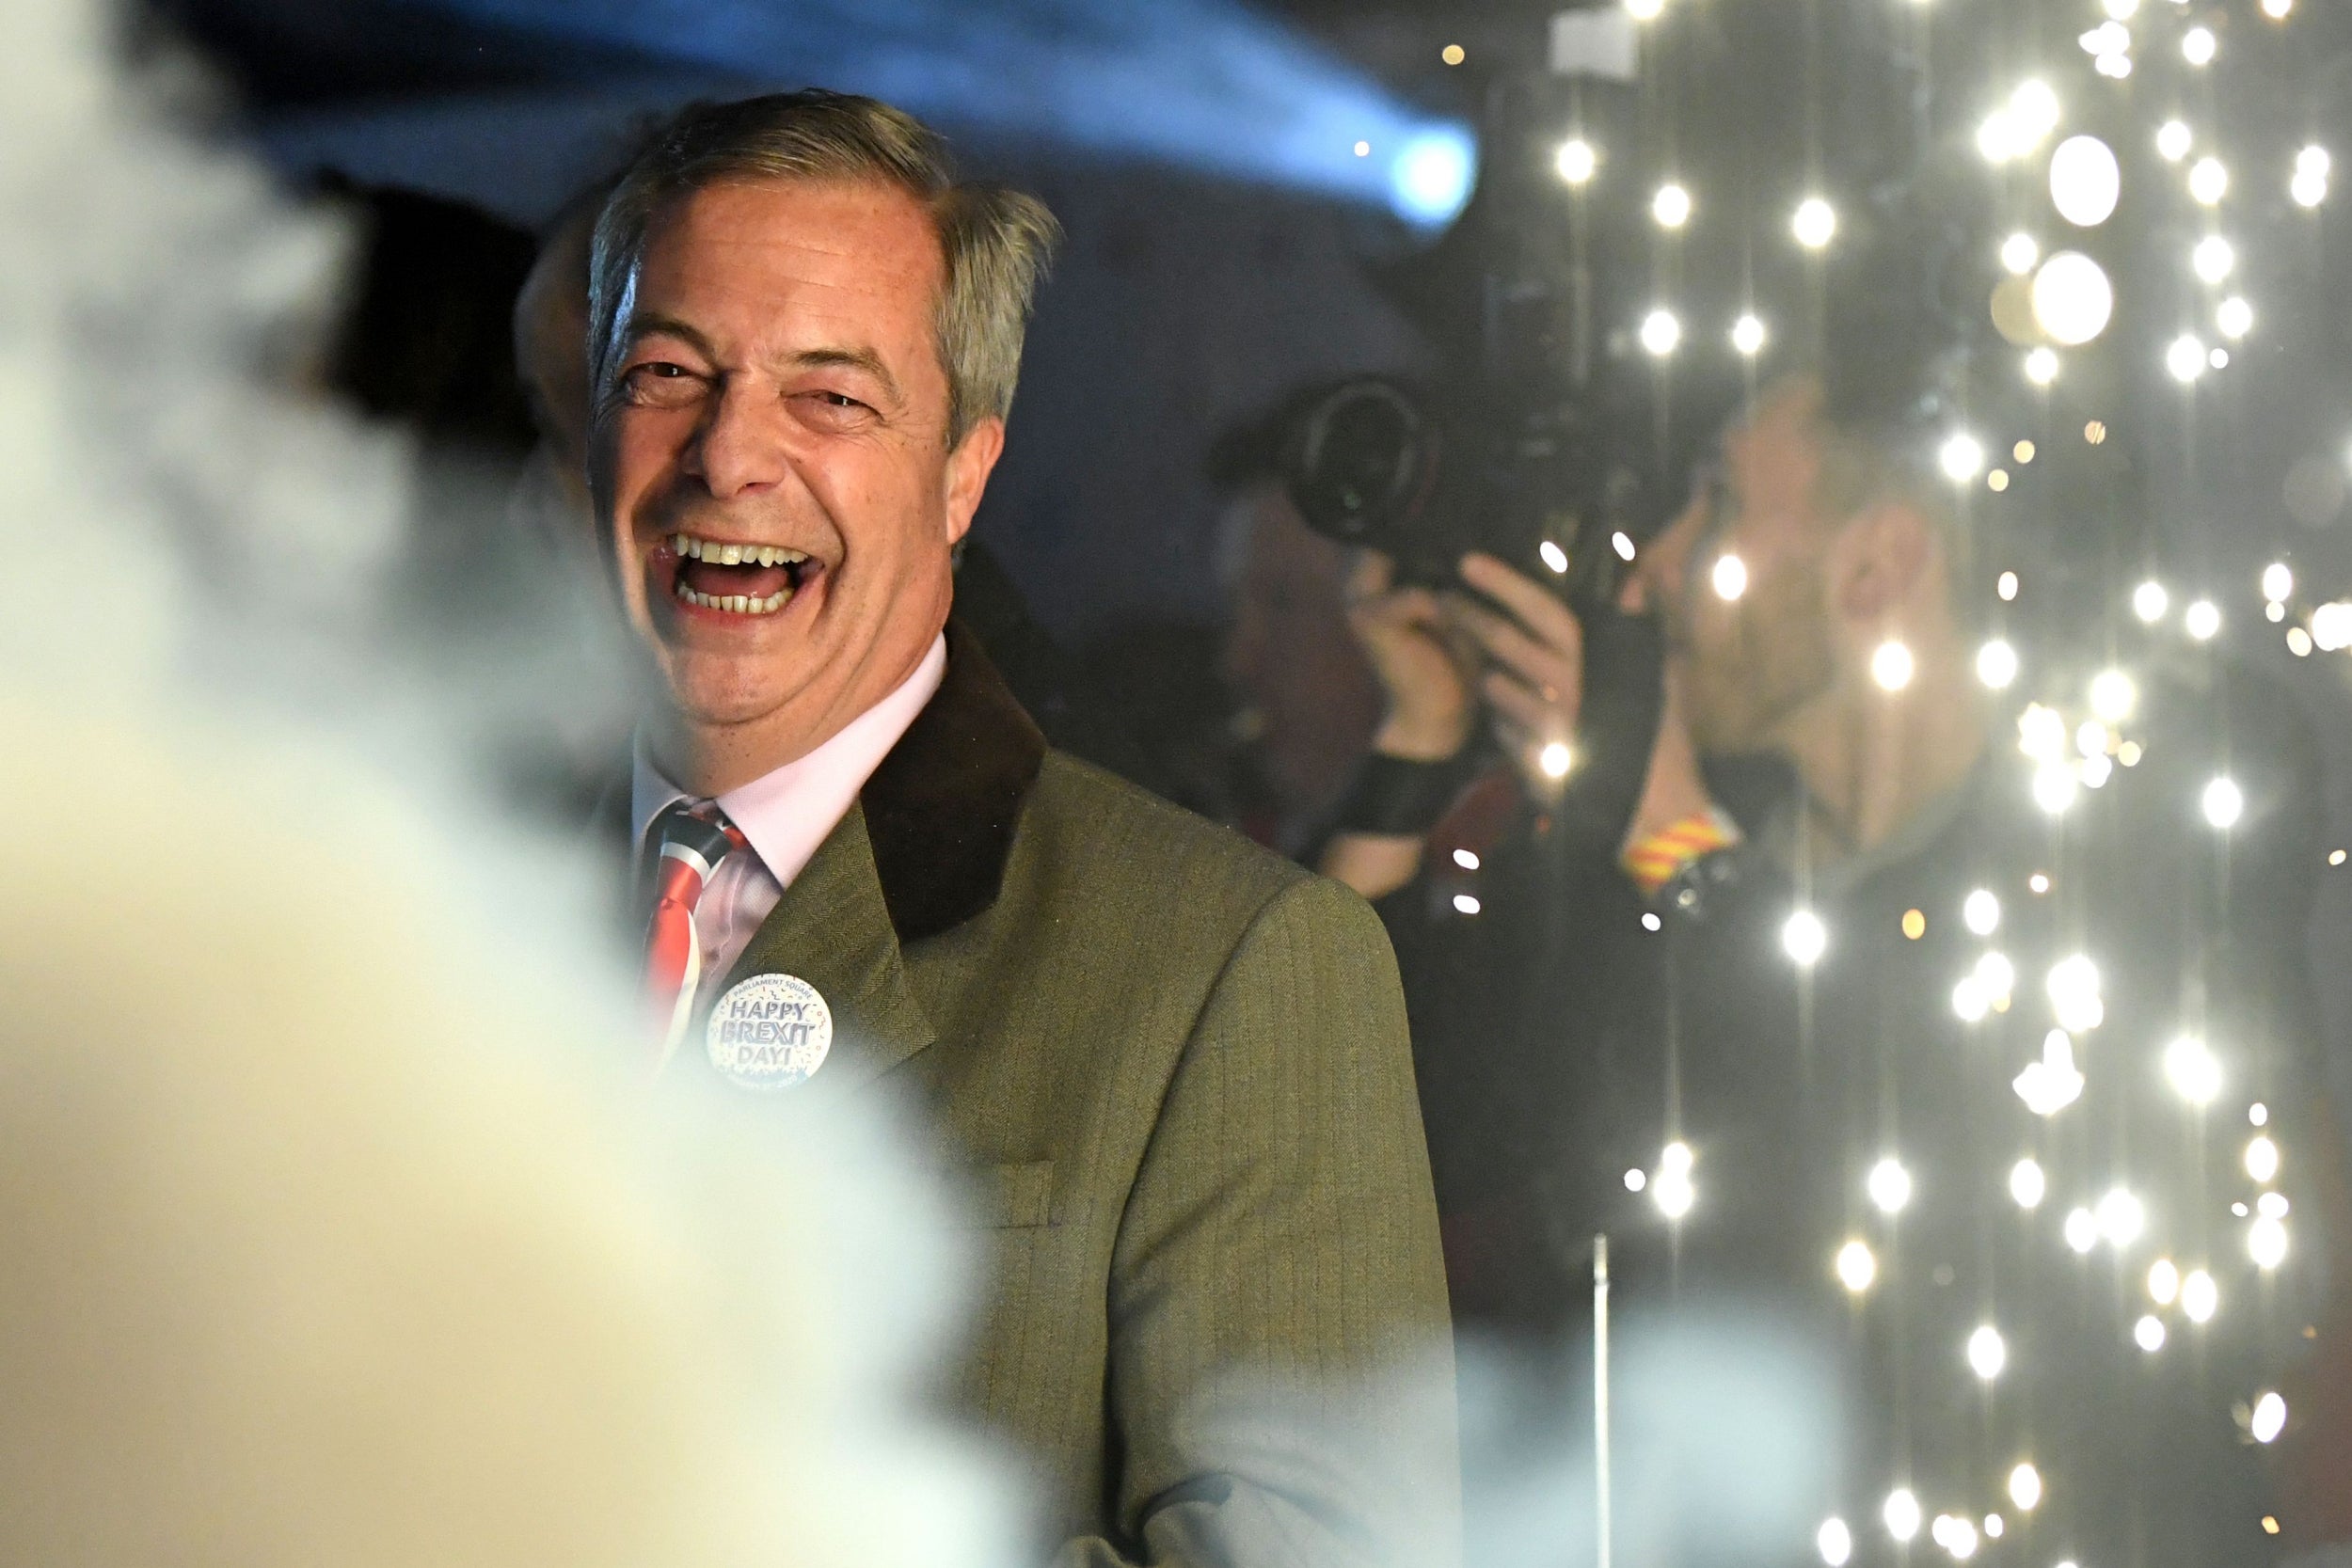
(968, 467)
(1879, 560)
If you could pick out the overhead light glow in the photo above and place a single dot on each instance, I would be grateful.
(2234, 318)
(2268, 1417)
(2033, 112)
(1429, 180)
(1554, 556)
(2164, 1281)
(1661, 333)
(1987, 1352)
(2081, 1230)
(2149, 1333)
(2192, 1070)
(1620, 542)
(1835, 1543)
(1671, 206)
(1805, 937)
(1891, 665)
(2074, 987)
(2073, 300)
(2262, 1159)
(2278, 583)
(2054, 788)
(2202, 620)
(2266, 1241)
(1747, 336)
(2024, 1487)
(1577, 161)
(2212, 258)
(1961, 456)
(2174, 139)
(1555, 759)
(2223, 802)
(2086, 180)
(1856, 1267)
(2148, 601)
(2198, 46)
(1902, 1514)
(2042, 366)
(2200, 1296)
(2019, 252)
(1888, 1185)
(2185, 358)
(2027, 1184)
(2112, 696)
(2208, 182)
(2006, 586)
(1729, 578)
(1815, 223)
(2122, 1218)
(1980, 912)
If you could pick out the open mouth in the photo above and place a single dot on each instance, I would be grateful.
(735, 578)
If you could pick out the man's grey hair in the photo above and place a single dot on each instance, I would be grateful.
(997, 242)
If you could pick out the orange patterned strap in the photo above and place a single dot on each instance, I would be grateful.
(1653, 863)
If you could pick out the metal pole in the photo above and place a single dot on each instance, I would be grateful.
(1600, 1395)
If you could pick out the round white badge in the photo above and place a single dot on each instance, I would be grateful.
(769, 1032)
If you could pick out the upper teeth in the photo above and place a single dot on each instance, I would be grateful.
(733, 555)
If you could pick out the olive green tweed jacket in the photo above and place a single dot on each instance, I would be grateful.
(1176, 1070)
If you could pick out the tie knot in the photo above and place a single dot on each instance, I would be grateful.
(695, 831)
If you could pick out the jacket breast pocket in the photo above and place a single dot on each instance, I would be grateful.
(1010, 1197)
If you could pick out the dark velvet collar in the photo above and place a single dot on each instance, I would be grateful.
(941, 810)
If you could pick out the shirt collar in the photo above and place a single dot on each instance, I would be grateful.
(786, 813)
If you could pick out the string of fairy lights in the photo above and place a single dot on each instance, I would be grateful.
(2054, 297)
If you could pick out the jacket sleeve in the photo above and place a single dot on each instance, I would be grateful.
(1280, 1368)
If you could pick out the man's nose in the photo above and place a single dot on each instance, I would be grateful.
(741, 447)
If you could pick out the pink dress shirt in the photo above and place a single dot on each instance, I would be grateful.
(784, 815)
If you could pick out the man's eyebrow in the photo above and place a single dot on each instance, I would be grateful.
(852, 359)
(645, 325)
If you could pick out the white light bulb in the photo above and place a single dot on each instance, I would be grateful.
(1856, 1267)
(2262, 1159)
(1620, 542)
(2027, 1184)
(1729, 577)
(1554, 556)
(2223, 802)
(2081, 1230)
(1671, 206)
(2164, 1281)
(1892, 666)
(2086, 180)
(2202, 620)
(2174, 139)
(2313, 160)
(2192, 1070)
(1466, 903)
(2033, 112)
(2121, 10)
(2006, 586)
(2234, 318)
(1996, 664)
(1902, 1514)
(2041, 733)
(2019, 252)
(2198, 46)
(1555, 759)
(1961, 456)
(2042, 366)
(2212, 258)
(2185, 358)
(2268, 1417)
(2149, 1333)
(2208, 182)
(1815, 223)
(1997, 976)
(2308, 190)
(1835, 1543)
(2054, 786)
(1747, 336)
(2266, 1241)
(2277, 581)
(1987, 1352)
(2277, 9)
(1576, 161)
(1980, 912)
(2074, 987)
(1661, 334)
(1805, 937)
(2200, 1296)
(2024, 1487)
(2122, 1218)
(2112, 696)
(2073, 300)
(1888, 1185)
(1969, 1000)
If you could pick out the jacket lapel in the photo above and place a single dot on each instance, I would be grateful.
(832, 928)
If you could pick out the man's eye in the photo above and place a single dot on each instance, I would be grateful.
(660, 381)
(839, 400)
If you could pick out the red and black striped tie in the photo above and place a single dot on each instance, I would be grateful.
(686, 843)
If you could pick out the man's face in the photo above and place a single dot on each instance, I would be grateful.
(1747, 665)
(773, 457)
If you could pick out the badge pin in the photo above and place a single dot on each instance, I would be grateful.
(770, 1032)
